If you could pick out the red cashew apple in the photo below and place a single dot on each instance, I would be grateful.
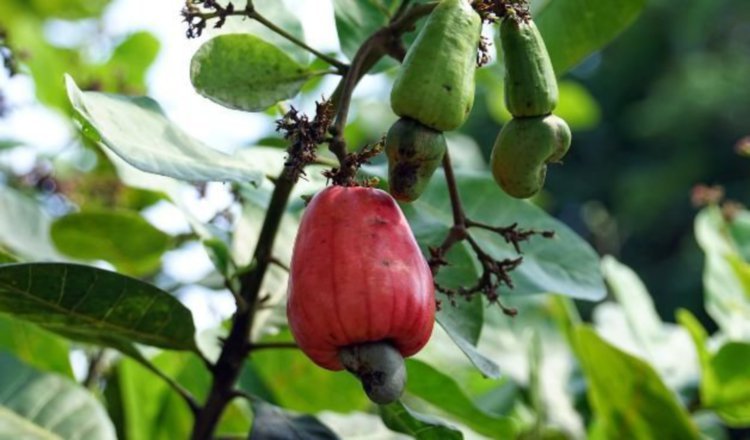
(361, 295)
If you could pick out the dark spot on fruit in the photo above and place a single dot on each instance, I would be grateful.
(379, 221)
(385, 263)
(447, 87)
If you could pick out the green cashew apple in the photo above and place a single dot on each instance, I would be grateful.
(435, 85)
(414, 152)
(522, 151)
(530, 82)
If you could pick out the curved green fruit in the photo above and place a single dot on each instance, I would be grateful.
(435, 85)
(522, 151)
(414, 152)
(530, 82)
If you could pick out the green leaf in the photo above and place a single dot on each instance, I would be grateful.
(34, 346)
(296, 382)
(401, 418)
(34, 405)
(243, 72)
(130, 61)
(629, 399)
(463, 320)
(573, 29)
(123, 238)
(441, 390)
(458, 322)
(565, 264)
(93, 305)
(24, 227)
(636, 302)
(136, 130)
(725, 380)
(273, 423)
(732, 403)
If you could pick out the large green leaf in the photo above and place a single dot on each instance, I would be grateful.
(34, 346)
(725, 379)
(34, 405)
(273, 423)
(442, 391)
(243, 72)
(123, 238)
(136, 129)
(565, 264)
(573, 29)
(401, 418)
(629, 399)
(24, 227)
(95, 305)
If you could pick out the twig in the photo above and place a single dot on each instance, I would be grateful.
(94, 372)
(179, 389)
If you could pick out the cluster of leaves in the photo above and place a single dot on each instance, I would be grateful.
(50, 303)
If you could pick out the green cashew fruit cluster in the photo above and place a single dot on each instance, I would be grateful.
(435, 85)
(530, 82)
(433, 92)
(414, 152)
(534, 137)
(523, 149)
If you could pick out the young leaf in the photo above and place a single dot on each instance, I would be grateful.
(136, 129)
(94, 305)
(629, 399)
(442, 391)
(573, 29)
(243, 72)
(273, 423)
(401, 418)
(123, 238)
(34, 405)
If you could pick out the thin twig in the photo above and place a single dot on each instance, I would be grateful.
(252, 13)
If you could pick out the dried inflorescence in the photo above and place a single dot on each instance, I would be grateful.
(304, 136)
(495, 272)
(493, 11)
(196, 14)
